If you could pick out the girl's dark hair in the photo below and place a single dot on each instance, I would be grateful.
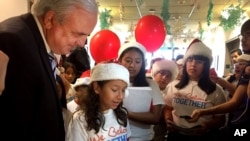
(63, 99)
(80, 58)
(70, 65)
(140, 79)
(93, 114)
(205, 83)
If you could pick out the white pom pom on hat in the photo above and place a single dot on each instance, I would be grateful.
(130, 45)
(165, 64)
(197, 47)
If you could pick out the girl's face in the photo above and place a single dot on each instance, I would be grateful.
(70, 74)
(81, 92)
(162, 78)
(111, 94)
(132, 60)
(194, 68)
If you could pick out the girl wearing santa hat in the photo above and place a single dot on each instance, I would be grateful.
(194, 90)
(102, 116)
(132, 56)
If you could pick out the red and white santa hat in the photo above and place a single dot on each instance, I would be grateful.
(84, 79)
(110, 71)
(133, 44)
(197, 47)
(165, 64)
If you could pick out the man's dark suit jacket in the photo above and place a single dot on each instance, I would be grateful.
(29, 105)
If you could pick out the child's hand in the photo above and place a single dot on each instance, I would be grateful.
(195, 116)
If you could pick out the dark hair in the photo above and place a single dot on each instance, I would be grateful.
(80, 58)
(245, 27)
(93, 113)
(239, 52)
(180, 56)
(155, 60)
(205, 83)
(63, 99)
(140, 78)
(67, 65)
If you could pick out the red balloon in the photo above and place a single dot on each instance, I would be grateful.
(104, 46)
(150, 31)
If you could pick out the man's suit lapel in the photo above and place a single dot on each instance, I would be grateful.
(28, 18)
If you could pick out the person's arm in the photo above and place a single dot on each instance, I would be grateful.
(217, 122)
(4, 59)
(226, 107)
(225, 84)
(151, 117)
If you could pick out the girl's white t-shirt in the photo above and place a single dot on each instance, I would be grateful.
(191, 97)
(77, 129)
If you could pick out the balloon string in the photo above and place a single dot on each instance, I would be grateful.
(138, 8)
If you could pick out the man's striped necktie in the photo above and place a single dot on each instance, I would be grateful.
(52, 63)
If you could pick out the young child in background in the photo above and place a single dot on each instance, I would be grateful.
(81, 88)
(102, 115)
(70, 75)
(163, 72)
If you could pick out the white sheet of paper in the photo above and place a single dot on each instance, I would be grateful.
(139, 99)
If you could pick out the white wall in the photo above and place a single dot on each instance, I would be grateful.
(9, 8)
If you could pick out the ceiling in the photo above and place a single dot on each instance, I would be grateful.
(188, 12)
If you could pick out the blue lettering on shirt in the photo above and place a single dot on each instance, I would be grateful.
(184, 101)
(119, 138)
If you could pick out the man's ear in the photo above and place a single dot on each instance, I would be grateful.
(48, 19)
(97, 88)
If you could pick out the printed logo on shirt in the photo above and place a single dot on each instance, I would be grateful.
(113, 134)
(189, 100)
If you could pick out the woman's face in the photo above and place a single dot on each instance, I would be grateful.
(132, 60)
(194, 68)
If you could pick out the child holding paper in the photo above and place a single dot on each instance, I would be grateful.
(132, 56)
(101, 115)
